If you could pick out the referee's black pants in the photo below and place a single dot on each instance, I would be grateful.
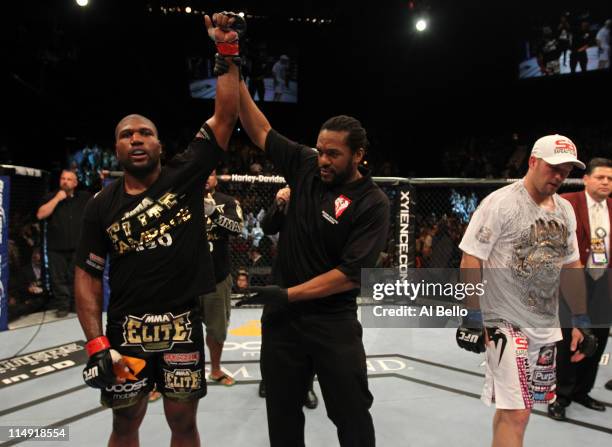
(61, 273)
(576, 380)
(293, 347)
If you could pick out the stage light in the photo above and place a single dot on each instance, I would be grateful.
(188, 10)
(82, 2)
(241, 14)
(421, 25)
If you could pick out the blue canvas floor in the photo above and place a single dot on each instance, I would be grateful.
(426, 393)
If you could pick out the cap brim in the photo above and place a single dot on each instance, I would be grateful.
(560, 159)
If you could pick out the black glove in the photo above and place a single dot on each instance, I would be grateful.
(589, 343)
(98, 373)
(239, 25)
(471, 334)
(265, 295)
(222, 65)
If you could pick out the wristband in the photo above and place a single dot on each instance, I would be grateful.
(97, 344)
(581, 321)
(228, 48)
(474, 315)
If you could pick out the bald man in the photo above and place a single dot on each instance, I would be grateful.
(62, 211)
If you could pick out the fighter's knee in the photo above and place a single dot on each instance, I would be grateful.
(181, 425)
(516, 418)
(126, 421)
(181, 421)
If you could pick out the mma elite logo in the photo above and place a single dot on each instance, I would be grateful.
(183, 380)
(156, 332)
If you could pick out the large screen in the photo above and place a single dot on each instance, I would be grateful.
(271, 75)
(566, 44)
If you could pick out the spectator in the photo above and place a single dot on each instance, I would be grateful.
(29, 296)
(63, 211)
(242, 281)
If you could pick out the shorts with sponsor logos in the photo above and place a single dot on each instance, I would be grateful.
(172, 346)
(519, 373)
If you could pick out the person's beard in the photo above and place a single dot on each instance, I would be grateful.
(341, 177)
(139, 171)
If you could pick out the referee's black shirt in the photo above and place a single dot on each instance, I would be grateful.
(340, 227)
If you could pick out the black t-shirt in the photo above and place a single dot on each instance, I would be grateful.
(64, 224)
(580, 39)
(342, 227)
(159, 256)
(550, 50)
(225, 221)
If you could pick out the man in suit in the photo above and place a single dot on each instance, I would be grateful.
(593, 209)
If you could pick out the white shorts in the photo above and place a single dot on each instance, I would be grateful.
(519, 373)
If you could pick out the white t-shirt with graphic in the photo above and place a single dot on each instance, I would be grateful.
(523, 248)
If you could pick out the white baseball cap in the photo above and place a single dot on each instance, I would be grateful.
(557, 149)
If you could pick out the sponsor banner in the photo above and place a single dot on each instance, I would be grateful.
(41, 363)
(5, 189)
(404, 226)
(275, 179)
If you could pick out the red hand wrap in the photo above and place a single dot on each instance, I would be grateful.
(97, 344)
(228, 48)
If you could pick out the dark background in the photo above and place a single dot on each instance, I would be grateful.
(71, 73)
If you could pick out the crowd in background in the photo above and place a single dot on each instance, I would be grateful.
(438, 230)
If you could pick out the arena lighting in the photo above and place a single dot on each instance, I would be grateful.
(82, 2)
(241, 14)
(188, 10)
(421, 25)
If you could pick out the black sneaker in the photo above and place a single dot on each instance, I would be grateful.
(608, 385)
(61, 313)
(591, 403)
(262, 389)
(312, 401)
(556, 411)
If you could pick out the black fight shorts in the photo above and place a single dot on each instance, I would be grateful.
(172, 346)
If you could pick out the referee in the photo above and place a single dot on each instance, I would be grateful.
(336, 225)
